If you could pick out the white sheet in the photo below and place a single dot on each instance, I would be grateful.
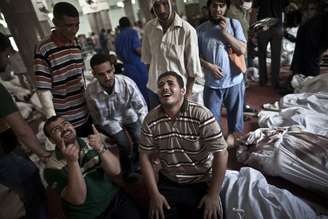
(246, 194)
(308, 110)
(294, 155)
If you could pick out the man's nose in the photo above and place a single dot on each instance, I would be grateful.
(161, 8)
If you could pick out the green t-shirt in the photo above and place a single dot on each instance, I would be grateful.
(7, 107)
(100, 189)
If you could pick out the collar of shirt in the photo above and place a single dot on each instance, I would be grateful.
(177, 22)
(59, 40)
(183, 108)
(100, 89)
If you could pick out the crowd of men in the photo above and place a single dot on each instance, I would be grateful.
(148, 112)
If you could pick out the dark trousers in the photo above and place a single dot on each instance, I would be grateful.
(85, 130)
(183, 198)
(122, 139)
(121, 207)
(274, 37)
(19, 173)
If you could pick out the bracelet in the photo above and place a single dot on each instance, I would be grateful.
(102, 150)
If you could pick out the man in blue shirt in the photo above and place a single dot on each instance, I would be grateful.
(128, 49)
(222, 83)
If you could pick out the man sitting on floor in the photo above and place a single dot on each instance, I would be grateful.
(81, 174)
(117, 108)
(192, 153)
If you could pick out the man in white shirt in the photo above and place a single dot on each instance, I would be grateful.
(117, 108)
(169, 44)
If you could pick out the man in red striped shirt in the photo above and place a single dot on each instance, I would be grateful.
(59, 71)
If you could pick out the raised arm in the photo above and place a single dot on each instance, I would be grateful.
(25, 134)
(109, 161)
(75, 192)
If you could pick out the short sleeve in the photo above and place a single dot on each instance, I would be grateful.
(146, 142)
(7, 106)
(43, 78)
(239, 33)
(191, 51)
(210, 133)
(135, 40)
(145, 49)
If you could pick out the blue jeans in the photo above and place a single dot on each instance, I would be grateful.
(20, 174)
(122, 140)
(233, 99)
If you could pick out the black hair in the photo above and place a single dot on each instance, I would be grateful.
(99, 59)
(65, 9)
(174, 74)
(4, 42)
(47, 123)
(227, 2)
(124, 22)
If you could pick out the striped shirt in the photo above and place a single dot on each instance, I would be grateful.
(185, 145)
(59, 68)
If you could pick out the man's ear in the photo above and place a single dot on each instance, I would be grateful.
(93, 72)
(183, 91)
(55, 22)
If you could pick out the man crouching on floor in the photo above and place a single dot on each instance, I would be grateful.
(81, 173)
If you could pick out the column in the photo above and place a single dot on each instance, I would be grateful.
(24, 27)
(144, 6)
(128, 8)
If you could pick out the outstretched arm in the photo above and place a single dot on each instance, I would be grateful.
(75, 191)
(110, 162)
(25, 134)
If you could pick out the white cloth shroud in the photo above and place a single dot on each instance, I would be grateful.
(247, 195)
(297, 156)
(308, 110)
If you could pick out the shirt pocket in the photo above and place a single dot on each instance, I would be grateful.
(191, 144)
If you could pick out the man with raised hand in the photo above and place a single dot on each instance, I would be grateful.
(82, 173)
(192, 152)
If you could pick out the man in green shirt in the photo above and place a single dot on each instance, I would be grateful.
(16, 171)
(81, 173)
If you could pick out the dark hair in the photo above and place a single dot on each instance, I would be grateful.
(65, 9)
(47, 123)
(4, 42)
(124, 22)
(227, 2)
(99, 59)
(174, 74)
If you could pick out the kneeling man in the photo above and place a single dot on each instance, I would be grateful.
(117, 108)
